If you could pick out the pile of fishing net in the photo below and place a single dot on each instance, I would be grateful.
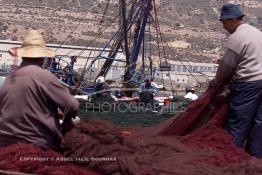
(115, 151)
(193, 142)
(30, 159)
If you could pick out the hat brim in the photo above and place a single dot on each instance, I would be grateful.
(35, 52)
(230, 17)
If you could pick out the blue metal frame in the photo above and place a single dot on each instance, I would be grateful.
(119, 37)
(69, 78)
(138, 14)
(123, 9)
(141, 35)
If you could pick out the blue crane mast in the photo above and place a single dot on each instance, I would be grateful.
(138, 15)
(135, 18)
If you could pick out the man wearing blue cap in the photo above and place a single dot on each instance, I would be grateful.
(242, 62)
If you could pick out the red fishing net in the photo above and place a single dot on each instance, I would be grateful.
(194, 142)
(30, 159)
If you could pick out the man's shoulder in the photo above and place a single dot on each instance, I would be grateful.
(239, 38)
(44, 72)
(241, 31)
(247, 26)
(36, 71)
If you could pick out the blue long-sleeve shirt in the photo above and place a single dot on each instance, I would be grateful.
(152, 89)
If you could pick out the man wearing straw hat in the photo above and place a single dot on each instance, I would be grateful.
(242, 61)
(30, 99)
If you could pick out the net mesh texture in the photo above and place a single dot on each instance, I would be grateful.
(193, 142)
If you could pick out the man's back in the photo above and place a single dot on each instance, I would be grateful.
(28, 107)
(246, 42)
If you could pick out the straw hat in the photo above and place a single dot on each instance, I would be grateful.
(33, 47)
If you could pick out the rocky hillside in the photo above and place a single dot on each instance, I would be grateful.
(191, 27)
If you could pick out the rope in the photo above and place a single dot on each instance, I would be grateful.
(102, 20)
(77, 90)
(159, 55)
(161, 38)
(166, 43)
(99, 32)
(172, 50)
(150, 49)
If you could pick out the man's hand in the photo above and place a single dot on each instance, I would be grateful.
(67, 125)
(223, 96)
(60, 114)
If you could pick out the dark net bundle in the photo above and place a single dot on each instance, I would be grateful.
(133, 155)
(30, 159)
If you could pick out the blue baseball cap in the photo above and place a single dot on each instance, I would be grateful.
(230, 11)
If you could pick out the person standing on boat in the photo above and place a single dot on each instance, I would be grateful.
(147, 92)
(30, 99)
(103, 91)
(153, 83)
(101, 87)
(242, 61)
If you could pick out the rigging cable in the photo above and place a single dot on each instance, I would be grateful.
(172, 50)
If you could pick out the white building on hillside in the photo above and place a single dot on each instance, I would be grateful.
(171, 72)
(183, 74)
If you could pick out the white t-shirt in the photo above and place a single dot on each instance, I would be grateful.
(191, 96)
